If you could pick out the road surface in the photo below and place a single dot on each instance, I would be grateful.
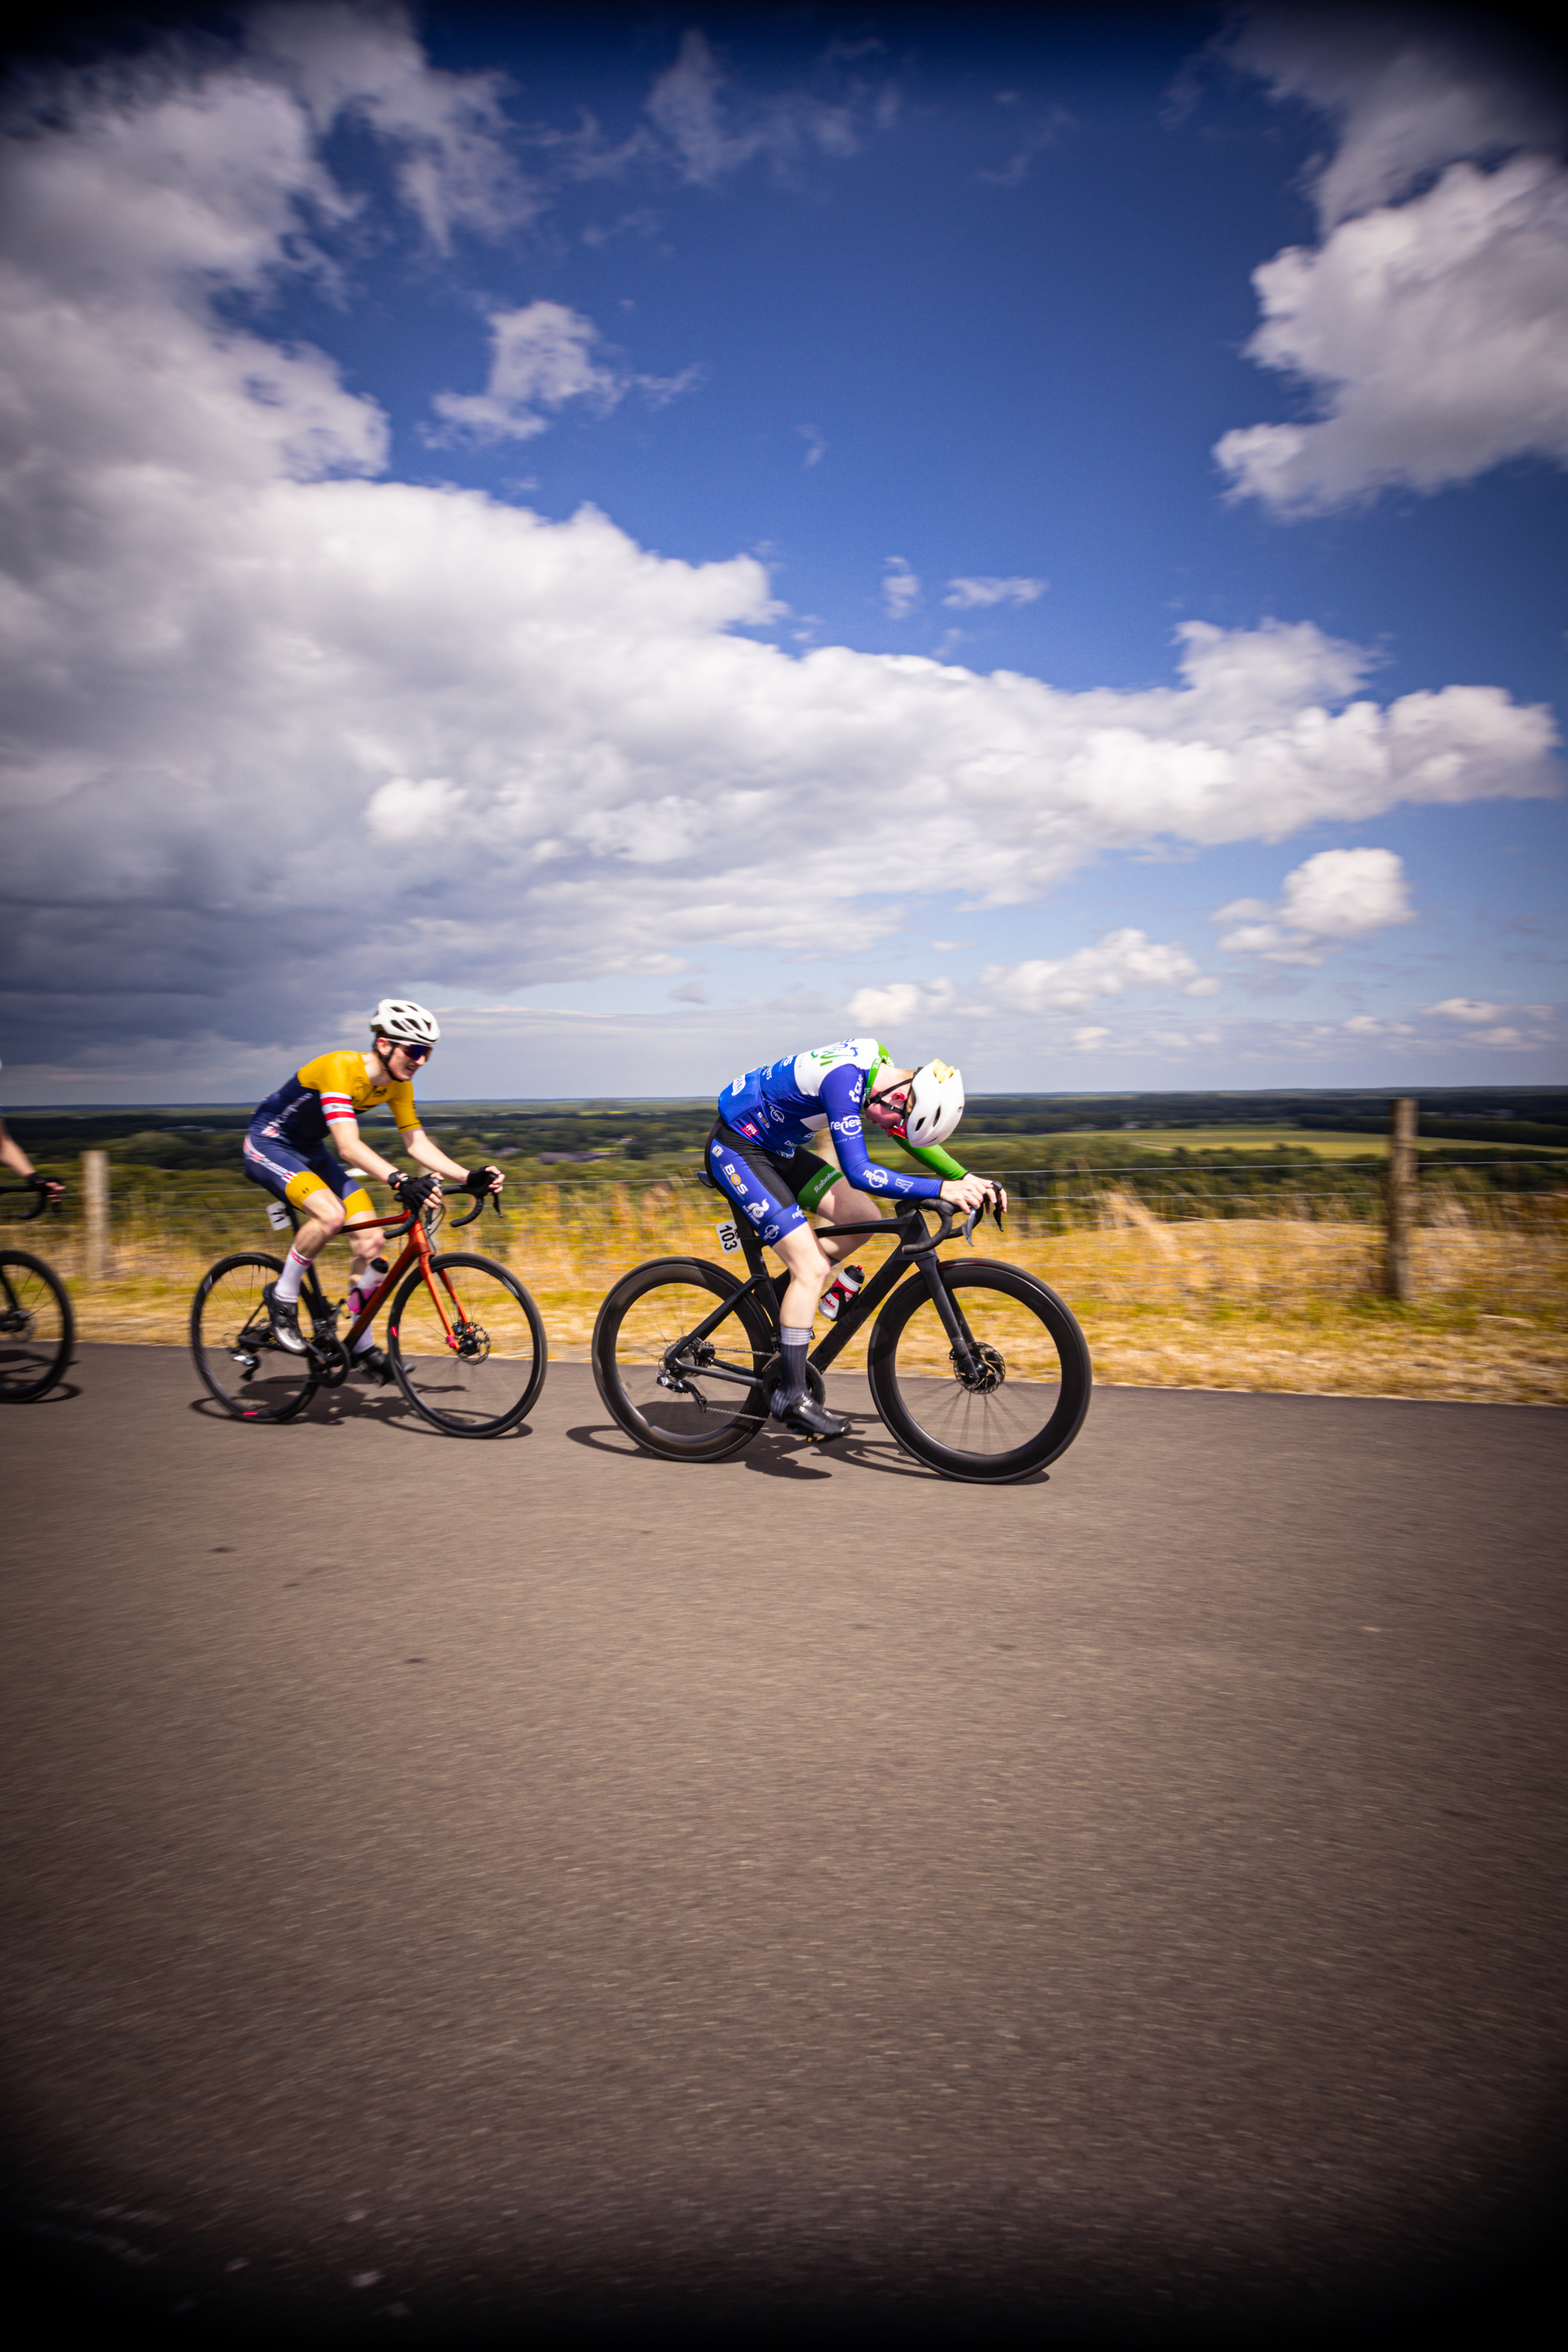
(453, 1887)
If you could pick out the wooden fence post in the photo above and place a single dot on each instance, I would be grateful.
(95, 1215)
(1397, 1279)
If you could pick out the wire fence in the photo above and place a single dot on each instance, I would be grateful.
(1195, 1235)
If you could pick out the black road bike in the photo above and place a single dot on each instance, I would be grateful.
(35, 1326)
(465, 1340)
(978, 1369)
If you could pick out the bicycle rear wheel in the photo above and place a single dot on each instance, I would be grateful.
(231, 1339)
(468, 1352)
(1017, 1409)
(671, 1396)
(35, 1326)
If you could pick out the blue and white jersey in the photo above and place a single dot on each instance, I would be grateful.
(784, 1105)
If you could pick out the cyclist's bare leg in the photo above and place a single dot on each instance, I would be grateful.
(324, 1214)
(843, 1206)
(324, 1219)
(810, 1272)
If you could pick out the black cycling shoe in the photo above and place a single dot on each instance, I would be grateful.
(374, 1363)
(285, 1318)
(813, 1420)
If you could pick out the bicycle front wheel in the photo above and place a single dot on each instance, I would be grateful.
(467, 1345)
(35, 1328)
(231, 1339)
(1022, 1398)
(690, 1400)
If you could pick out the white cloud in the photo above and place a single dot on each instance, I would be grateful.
(1466, 1008)
(446, 131)
(402, 810)
(1345, 894)
(965, 594)
(1436, 332)
(711, 127)
(1368, 1024)
(1121, 961)
(249, 663)
(1406, 92)
(541, 357)
(1431, 323)
(901, 589)
(902, 1005)
(1338, 895)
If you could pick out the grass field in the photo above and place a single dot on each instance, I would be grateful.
(1321, 1143)
(1287, 1302)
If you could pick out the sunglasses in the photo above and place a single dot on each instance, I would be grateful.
(415, 1053)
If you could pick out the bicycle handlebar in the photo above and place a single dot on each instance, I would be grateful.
(390, 1228)
(946, 1212)
(41, 1200)
(477, 1209)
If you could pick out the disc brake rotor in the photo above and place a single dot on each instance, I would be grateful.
(471, 1341)
(986, 1372)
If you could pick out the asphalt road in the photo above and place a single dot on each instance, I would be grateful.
(456, 1886)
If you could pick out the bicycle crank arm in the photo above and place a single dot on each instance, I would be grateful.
(681, 1375)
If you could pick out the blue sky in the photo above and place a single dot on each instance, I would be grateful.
(678, 537)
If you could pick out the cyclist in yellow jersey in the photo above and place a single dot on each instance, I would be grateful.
(286, 1150)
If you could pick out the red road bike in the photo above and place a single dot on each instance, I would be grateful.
(465, 1340)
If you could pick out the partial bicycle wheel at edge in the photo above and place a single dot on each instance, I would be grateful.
(35, 1328)
(1026, 1403)
(470, 1354)
(694, 1413)
(231, 1339)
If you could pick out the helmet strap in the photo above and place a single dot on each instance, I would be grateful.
(901, 1132)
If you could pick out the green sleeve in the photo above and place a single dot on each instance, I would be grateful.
(932, 1156)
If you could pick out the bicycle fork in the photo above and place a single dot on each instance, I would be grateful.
(977, 1367)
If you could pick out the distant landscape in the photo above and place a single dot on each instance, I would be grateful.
(641, 1139)
(1204, 1240)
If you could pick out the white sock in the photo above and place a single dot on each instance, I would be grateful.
(366, 1286)
(295, 1269)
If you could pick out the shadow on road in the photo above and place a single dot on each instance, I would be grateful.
(62, 1392)
(778, 1453)
(331, 1407)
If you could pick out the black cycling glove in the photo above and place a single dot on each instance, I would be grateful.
(480, 1180)
(413, 1192)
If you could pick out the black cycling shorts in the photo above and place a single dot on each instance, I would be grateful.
(771, 1188)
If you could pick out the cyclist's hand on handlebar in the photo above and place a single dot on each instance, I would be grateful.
(973, 1193)
(47, 1186)
(483, 1181)
(413, 1192)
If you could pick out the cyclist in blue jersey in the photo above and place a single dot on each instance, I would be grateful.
(790, 1138)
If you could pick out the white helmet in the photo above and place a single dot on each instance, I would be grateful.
(935, 1103)
(409, 1023)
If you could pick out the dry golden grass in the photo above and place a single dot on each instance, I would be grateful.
(1273, 1302)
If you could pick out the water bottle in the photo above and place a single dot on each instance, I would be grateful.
(843, 1290)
